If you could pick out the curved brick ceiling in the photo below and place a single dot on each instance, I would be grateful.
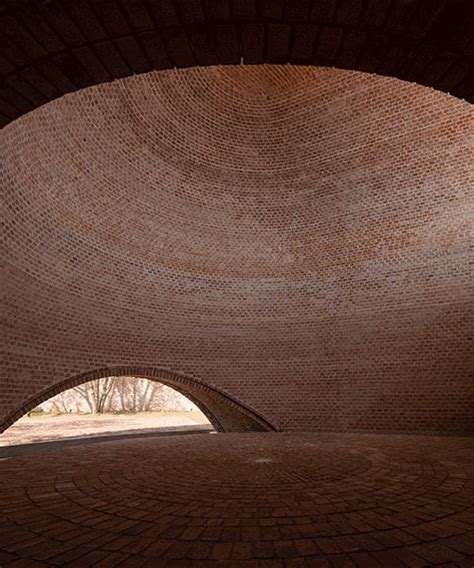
(51, 47)
(296, 237)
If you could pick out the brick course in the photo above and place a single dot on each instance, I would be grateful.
(294, 238)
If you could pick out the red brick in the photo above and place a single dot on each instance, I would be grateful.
(331, 281)
(182, 484)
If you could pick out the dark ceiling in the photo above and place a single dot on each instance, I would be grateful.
(51, 47)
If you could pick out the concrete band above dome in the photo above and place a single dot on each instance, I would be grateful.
(296, 238)
(52, 47)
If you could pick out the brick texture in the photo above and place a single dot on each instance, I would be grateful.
(295, 239)
(246, 501)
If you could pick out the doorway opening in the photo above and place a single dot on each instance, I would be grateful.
(114, 406)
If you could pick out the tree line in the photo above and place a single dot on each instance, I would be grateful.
(117, 394)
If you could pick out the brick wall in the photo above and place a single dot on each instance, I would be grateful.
(295, 238)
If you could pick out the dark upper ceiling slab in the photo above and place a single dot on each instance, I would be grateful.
(52, 47)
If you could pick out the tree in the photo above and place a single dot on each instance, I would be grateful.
(97, 393)
(135, 395)
(116, 394)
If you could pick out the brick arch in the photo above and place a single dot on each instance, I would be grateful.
(223, 412)
(57, 46)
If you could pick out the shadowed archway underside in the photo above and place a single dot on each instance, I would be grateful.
(53, 47)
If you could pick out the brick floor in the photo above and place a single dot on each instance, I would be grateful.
(264, 500)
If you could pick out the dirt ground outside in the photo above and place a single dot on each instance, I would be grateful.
(40, 428)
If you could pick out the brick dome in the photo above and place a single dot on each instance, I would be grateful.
(292, 238)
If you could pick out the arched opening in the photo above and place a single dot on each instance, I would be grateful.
(110, 407)
(221, 411)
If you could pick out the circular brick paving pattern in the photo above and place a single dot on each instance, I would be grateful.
(243, 500)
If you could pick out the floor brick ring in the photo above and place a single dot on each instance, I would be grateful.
(369, 500)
